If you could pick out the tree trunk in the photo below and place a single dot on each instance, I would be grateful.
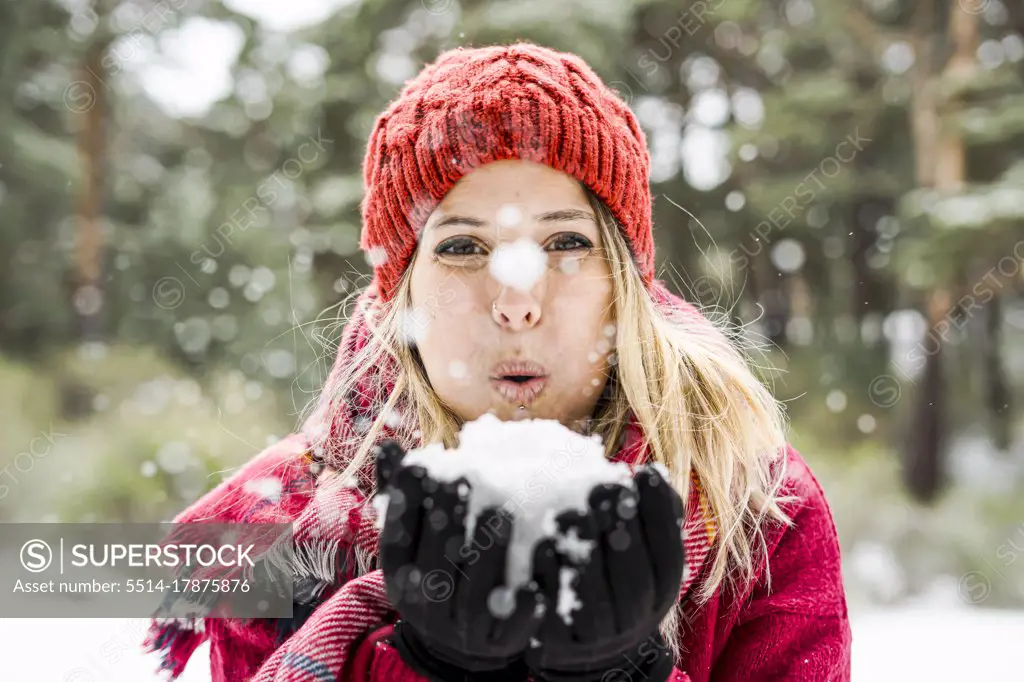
(91, 150)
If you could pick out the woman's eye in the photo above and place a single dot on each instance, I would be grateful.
(570, 242)
(459, 246)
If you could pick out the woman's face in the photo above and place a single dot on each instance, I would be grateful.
(510, 279)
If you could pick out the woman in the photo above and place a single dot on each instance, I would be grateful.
(507, 216)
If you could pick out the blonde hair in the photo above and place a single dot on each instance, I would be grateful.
(701, 408)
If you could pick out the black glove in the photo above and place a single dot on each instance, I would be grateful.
(626, 586)
(442, 587)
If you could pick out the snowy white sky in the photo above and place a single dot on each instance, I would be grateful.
(186, 70)
(194, 69)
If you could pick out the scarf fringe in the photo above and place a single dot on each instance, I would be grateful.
(174, 640)
(313, 561)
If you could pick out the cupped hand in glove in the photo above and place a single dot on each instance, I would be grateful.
(458, 621)
(625, 587)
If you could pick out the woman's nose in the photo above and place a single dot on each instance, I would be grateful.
(516, 312)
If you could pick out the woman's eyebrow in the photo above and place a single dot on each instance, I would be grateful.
(561, 215)
(566, 215)
(450, 220)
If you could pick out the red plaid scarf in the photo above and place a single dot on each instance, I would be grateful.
(334, 605)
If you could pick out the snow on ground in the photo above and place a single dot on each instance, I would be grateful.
(938, 645)
(888, 646)
(83, 650)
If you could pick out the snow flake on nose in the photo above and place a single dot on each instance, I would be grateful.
(520, 264)
(268, 487)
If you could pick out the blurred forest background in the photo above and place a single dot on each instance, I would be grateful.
(843, 177)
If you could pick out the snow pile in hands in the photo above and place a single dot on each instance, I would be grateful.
(533, 468)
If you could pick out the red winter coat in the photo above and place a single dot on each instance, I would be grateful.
(797, 630)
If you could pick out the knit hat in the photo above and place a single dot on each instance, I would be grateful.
(472, 106)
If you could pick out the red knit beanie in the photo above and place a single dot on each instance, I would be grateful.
(472, 106)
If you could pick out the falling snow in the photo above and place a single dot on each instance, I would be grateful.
(788, 255)
(520, 264)
(413, 325)
(376, 255)
(836, 400)
(391, 418)
(380, 506)
(570, 266)
(268, 487)
(509, 215)
(175, 457)
(501, 602)
(457, 369)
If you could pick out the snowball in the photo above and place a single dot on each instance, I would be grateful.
(533, 468)
(520, 264)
